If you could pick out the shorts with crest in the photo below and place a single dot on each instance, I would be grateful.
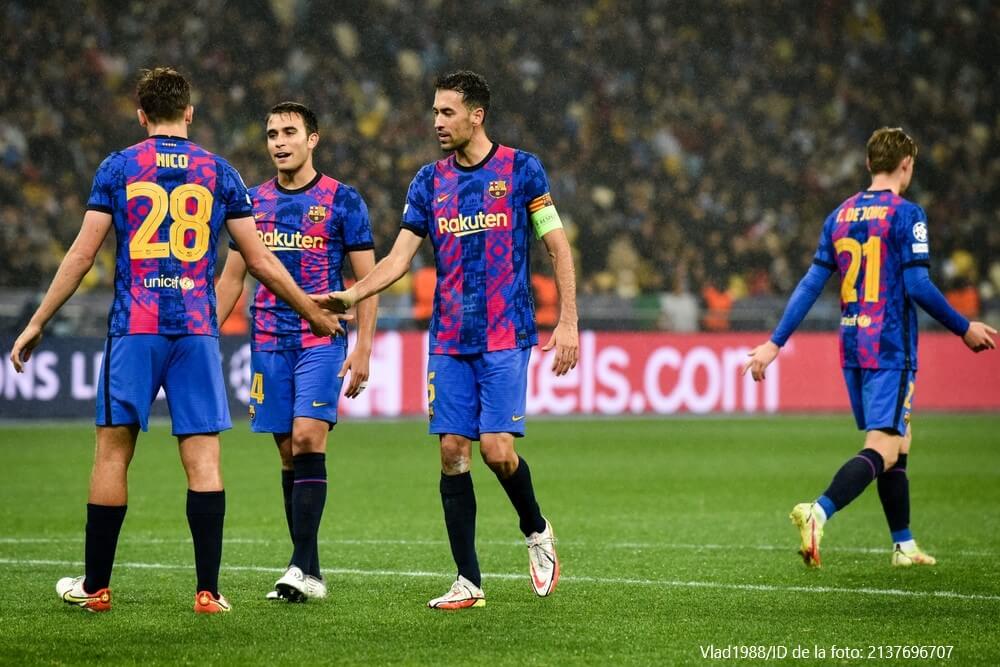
(286, 384)
(881, 398)
(470, 394)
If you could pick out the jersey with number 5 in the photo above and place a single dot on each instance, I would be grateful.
(168, 199)
(870, 239)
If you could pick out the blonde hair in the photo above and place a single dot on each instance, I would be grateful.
(887, 147)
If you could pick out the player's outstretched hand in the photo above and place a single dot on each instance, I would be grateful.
(760, 358)
(357, 364)
(978, 338)
(566, 340)
(23, 346)
(325, 323)
(338, 302)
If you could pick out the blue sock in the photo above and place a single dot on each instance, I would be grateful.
(308, 501)
(206, 513)
(901, 535)
(458, 498)
(828, 507)
(104, 523)
(852, 478)
(522, 496)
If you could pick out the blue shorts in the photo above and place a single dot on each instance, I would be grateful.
(188, 368)
(286, 384)
(469, 394)
(881, 398)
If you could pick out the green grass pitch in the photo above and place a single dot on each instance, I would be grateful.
(673, 534)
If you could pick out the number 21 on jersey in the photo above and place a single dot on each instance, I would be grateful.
(867, 254)
(178, 203)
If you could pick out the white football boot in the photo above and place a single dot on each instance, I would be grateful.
(463, 595)
(543, 560)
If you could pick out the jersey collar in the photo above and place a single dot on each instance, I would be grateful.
(296, 191)
(489, 156)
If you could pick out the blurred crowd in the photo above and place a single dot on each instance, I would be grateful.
(693, 148)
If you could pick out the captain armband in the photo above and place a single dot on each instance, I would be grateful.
(544, 216)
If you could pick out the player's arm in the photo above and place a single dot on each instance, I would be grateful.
(565, 337)
(389, 269)
(230, 285)
(74, 266)
(265, 267)
(801, 301)
(357, 362)
(922, 289)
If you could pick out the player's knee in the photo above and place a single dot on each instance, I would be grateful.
(499, 455)
(203, 475)
(454, 455)
(454, 463)
(889, 459)
(887, 444)
(306, 443)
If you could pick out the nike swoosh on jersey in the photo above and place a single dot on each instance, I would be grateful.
(317, 404)
(517, 418)
(441, 198)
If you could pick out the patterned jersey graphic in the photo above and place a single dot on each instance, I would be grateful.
(478, 222)
(310, 230)
(870, 239)
(168, 198)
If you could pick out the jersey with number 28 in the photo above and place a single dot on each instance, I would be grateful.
(870, 239)
(168, 199)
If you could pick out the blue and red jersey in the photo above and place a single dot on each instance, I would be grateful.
(478, 221)
(168, 198)
(310, 230)
(870, 239)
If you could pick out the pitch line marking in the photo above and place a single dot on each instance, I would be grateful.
(661, 583)
(566, 543)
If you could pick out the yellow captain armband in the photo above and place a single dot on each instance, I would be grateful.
(544, 216)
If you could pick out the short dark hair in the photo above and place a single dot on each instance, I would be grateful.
(887, 147)
(308, 117)
(473, 87)
(163, 94)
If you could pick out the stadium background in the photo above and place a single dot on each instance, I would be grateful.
(693, 148)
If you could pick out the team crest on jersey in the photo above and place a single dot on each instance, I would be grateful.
(498, 189)
(253, 412)
(317, 213)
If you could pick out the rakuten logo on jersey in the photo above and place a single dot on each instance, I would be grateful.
(282, 241)
(464, 225)
(639, 378)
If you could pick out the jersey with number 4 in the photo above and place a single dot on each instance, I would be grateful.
(168, 199)
(870, 239)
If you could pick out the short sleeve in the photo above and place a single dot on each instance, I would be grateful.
(233, 192)
(102, 191)
(417, 210)
(354, 213)
(912, 236)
